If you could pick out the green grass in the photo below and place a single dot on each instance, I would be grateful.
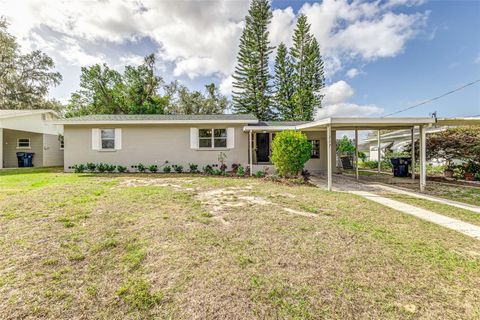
(451, 211)
(188, 246)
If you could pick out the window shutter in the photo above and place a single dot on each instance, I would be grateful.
(230, 138)
(95, 139)
(194, 138)
(118, 139)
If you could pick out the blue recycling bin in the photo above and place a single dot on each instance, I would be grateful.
(25, 159)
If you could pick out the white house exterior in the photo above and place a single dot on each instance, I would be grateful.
(30, 131)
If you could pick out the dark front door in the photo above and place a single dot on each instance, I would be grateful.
(263, 147)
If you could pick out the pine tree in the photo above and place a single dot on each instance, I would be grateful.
(283, 84)
(252, 90)
(307, 71)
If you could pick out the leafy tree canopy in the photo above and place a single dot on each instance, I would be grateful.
(184, 101)
(345, 146)
(24, 78)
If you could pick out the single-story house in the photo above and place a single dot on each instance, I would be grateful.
(30, 131)
(129, 140)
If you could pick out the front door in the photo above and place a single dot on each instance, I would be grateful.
(263, 147)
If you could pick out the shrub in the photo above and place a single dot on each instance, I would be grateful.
(110, 168)
(235, 167)
(370, 164)
(216, 172)
(91, 166)
(240, 171)
(141, 167)
(208, 169)
(79, 168)
(290, 151)
(121, 169)
(167, 169)
(178, 168)
(259, 174)
(221, 158)
(102, 167)
(153, 168)
(193, 167)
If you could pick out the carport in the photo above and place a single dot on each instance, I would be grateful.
(358, 124)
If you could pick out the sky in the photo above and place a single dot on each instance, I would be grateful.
(380, 56)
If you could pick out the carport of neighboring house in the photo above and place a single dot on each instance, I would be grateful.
(28, 131)
(329, 126)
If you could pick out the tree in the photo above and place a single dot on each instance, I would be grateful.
(252, 91)
(283, 83)
(290, 151)
(307, 67)
(24, 79)
(461, 143)
(183, 101)
(106, 91)
(345, 146)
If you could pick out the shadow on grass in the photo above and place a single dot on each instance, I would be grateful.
(16, 171)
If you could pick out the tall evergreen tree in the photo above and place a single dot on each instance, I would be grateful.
(307, 71)
(283, 83)
(252, 91)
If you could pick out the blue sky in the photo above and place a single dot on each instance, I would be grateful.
(380, 56)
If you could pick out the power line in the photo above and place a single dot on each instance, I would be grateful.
(433, 99)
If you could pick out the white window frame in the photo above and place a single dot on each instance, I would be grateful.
(24, 147)
(213, 138)
(101, 139)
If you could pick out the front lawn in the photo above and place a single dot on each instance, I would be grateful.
(195, 247)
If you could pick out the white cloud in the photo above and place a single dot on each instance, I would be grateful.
(352, 73)
(335, 103)
(200, 38)
(337, 92)
(348, 110)
(132, 60)
(226, 86)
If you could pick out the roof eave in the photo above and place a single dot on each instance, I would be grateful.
(108, 122)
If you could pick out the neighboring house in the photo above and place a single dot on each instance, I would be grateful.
(179, 139)
(30, 131)
(395, 140)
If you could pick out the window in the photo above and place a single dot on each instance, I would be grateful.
(315, 149)
(62, 141)
(107, 138)
(216, 140)
(23, 143)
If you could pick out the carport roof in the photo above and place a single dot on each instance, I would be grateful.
(346, 123)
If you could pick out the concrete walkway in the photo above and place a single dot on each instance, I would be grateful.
(457, 204)
(447, 222)
(373, 193)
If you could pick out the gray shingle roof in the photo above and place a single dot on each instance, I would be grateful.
(279, 123)
(162, 117)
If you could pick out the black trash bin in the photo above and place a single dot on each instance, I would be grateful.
(400, 166)
(25, 159)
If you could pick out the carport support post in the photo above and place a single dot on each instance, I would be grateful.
(423, 159)
(329, 158)
(356, 152)
(413, 153)
(250, 155)
(379, 158)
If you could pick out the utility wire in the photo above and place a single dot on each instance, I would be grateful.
(435, 98)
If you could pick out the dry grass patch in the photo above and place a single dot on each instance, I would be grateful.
(157, 249)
